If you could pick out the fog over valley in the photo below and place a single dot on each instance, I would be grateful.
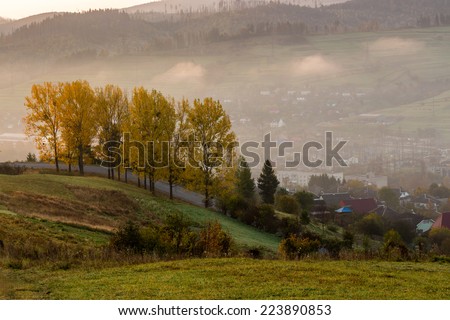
(375, 73)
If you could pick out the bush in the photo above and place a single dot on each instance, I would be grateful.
(128, 237)
(248, 216)
(445, 247)
(176, 228)
(441, 238)
(9, 169)
(173, 239)
(254, 253)
(371, 225)
(286, 203)
(394, 246)
(231, 204)
(288, 226)
(333, 246)
(406, 230)
(439, 235)
(214, 241)
(265, 218)
(237, 203)
(304, 218)
(423, 244)
(347, 239)
(332, 228)
(156, 241)
(295, 247)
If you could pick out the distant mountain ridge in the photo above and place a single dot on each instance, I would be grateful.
(103, 33)
(8, 26)
(175, 6)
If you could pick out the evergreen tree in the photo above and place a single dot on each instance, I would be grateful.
(245, 182)
(268, 183)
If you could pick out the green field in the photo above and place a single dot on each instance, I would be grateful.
(236, 279)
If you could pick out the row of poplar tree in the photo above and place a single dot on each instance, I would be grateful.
(71, 122)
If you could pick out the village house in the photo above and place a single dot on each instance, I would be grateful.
(443, 221)
(424, 226)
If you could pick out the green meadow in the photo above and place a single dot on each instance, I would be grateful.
(236, 279)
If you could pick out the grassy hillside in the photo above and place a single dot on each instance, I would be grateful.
(237, 279)
(52, 215)
(97, 204)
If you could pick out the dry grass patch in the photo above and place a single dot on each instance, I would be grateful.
(95, 208)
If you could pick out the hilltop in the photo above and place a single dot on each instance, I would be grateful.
(8, 26)
(175, 6)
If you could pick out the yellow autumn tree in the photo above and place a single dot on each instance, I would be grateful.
(167, 136)
(152, 124)
(111, 109)
(212, 142)
(43, 120)
(78, 119)
(171, 147)
(178, 156)
(138, 133)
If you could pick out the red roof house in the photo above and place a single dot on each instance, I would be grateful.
(361, 206)
(443, 221)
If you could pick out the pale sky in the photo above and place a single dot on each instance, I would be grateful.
(16, 9)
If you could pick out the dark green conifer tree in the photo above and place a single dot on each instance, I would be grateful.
(268, 183)
(245, 182)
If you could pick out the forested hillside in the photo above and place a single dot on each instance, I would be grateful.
(113, 32)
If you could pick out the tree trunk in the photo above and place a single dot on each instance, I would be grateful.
(206, 190)
(151, 179)
(56, 161)
(80, 159)
(152, 183)
(170, 184)
(55, 150)
(145, 181)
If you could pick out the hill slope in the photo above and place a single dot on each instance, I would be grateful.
(9, 26)
(44, 211)
(97, 204)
